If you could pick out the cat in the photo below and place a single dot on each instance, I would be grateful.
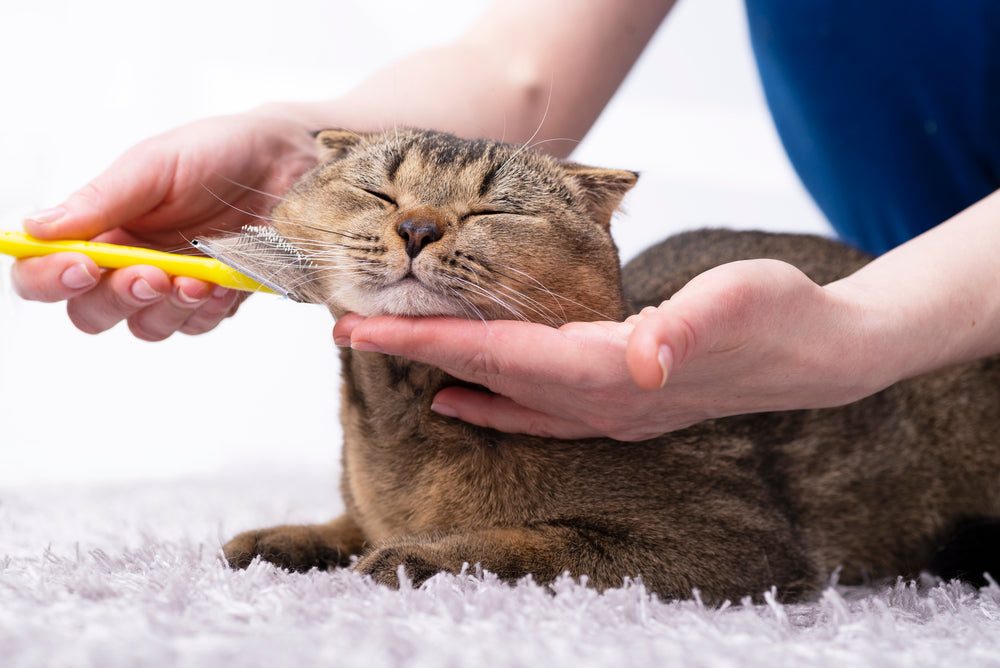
(414, 222)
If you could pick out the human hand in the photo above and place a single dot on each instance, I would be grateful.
(212, 175)
(570, 382)
(745, 337)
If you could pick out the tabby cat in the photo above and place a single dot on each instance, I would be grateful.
(415, 222)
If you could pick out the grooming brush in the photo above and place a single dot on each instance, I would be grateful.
(258, 251)
(216, 269)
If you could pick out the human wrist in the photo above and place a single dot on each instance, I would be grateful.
(350, 112)
(878, 349)
(309, 116)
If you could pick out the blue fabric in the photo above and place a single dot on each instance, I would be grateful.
(889, 109)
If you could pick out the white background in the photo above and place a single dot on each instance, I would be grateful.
(82, 81)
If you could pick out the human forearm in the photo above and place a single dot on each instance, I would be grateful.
(935, 300)
(526, 71)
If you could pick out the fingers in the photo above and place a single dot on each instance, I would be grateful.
(118, 296)
(190, 307)
(169, 311)
(506, 356)
(498, 412)
(344, 326)
(154, 306)
(54, 278)
(544, 381)
(221, 304)
(475, 352)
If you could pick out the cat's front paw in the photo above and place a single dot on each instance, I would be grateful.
(419, 563)
(294, 548)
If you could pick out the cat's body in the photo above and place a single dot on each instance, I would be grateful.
(731, 507)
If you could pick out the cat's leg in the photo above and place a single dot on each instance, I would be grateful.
(604, 556)
(298, 548)
(510, 553)
(544, 551)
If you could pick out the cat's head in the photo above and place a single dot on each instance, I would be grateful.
(413, 222)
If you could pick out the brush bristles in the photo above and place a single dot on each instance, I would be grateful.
(261, 253)
(265, 239)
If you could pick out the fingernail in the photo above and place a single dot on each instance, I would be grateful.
(189, 299)
(48, 215)
(218, 292)
(77, 277)
(142, 290)
(342, 341)
(664, 356)
(445, 410)
(365, 347)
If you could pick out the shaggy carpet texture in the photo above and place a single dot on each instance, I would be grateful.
(129, 575)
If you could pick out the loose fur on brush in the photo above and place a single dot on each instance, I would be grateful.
(415, 222)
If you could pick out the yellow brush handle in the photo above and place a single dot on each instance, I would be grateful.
(111, 256)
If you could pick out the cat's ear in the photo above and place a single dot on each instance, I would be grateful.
(335, 144)
(603, 188)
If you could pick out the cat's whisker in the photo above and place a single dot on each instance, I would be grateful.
(333, 272)
(247, 188)
(525, 300)
(269, 219)
(540, 308)
(341, 266)
(536, 306)
(512, 303)
(470, 286)
(317, 264)
(540, 286)
(538, 129)
(466, 304)
(232, 206)
(310, 225)
(552, 139)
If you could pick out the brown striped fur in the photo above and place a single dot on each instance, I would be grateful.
(729, 507)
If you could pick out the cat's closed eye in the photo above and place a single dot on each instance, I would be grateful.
(485, 213)
(380, 195)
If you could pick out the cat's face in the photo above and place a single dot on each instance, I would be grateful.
(421, 223)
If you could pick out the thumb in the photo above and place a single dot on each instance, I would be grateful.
(132, 186)
(667, 336)
(660, 342)
(716, 311)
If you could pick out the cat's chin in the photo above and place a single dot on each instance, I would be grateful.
(404, 299)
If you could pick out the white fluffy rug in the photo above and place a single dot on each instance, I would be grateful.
(104, 575)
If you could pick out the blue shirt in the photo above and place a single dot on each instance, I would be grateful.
(888, 109)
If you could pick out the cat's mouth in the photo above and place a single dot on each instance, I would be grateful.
(407, 296)
(408, 293)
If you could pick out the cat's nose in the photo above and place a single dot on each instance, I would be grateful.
(417, 232)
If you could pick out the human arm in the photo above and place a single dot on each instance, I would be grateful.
(524, 72)
(749, 336)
